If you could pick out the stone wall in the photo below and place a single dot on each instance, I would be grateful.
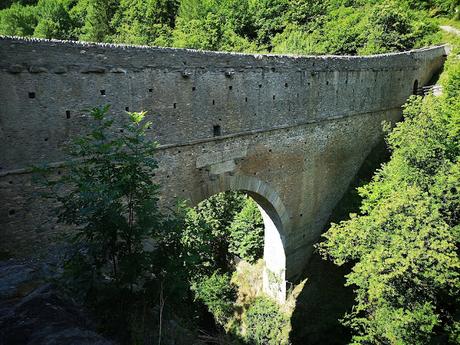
(292, 131)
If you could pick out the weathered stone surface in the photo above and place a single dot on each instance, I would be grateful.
(93, 69)
(60, 70)
(221, 168)
(15, 68)
(44, 317)
(37, 69)
(296, 128)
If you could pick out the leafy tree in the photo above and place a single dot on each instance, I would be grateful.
(218, 294)
(92, 19)
(344, 31)
(198, 33)
(265, 323)
(393, 27)
(295, 40)
(268, 20)
(142, 22)
(53, 20)
(247, 233)
(111, 199)
(18, 20)
(205, 237)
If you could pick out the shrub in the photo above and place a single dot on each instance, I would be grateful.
(265, 323)
(218, 294)
(247, 233)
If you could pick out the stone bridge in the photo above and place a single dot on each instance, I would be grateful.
(290, 131)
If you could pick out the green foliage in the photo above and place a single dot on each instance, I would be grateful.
(404, 242)
(282, 26)
(218, 294)
(392, 27)
(268, 20)
(205, 238)
(18, 20)
(144, 22)
(53, 20)
(247, 233)
(110, 198)
(92, 19)
(265, 323)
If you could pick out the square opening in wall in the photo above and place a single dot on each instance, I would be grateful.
(217, 130)
(102, 92)
(31, 94)
(67, 114)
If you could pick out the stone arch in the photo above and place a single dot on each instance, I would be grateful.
(275, 219)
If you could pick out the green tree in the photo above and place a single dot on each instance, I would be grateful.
(206, 233)
(268, 20)
(53, 20)
(394, 27)
(247, 233)
(144, 22)
(218, 294)
(265, 323)
(18, 20)
(111, 199)
(92, 19)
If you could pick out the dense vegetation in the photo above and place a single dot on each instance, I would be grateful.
(404, 241)
(281, 26)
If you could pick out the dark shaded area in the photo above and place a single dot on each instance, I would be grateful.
(324, 299)
(322, 302)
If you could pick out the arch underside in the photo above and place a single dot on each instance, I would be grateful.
(275, 219)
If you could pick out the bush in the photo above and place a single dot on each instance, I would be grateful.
(247, 233)
(218, 294)
(265, 323)
(18, 20)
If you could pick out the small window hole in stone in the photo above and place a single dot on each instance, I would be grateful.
(11, 212)
(102, 92)
(286, 85)
(174, 105)
(273, 69)
(127, 108)
(59, 172)
(415, 87)
(230, 87)
(46, 139)
(31, 94)
(217, 131)
(193, 88)
(273, 97)
(121, 130)
(67, 114)
(260, 86)
(213, 102)
(150, 90)
(327, 82)
(245, 99)
(10, 182)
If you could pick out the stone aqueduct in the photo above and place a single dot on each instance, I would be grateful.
(290, 131)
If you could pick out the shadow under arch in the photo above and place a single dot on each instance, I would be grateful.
(275, 219)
